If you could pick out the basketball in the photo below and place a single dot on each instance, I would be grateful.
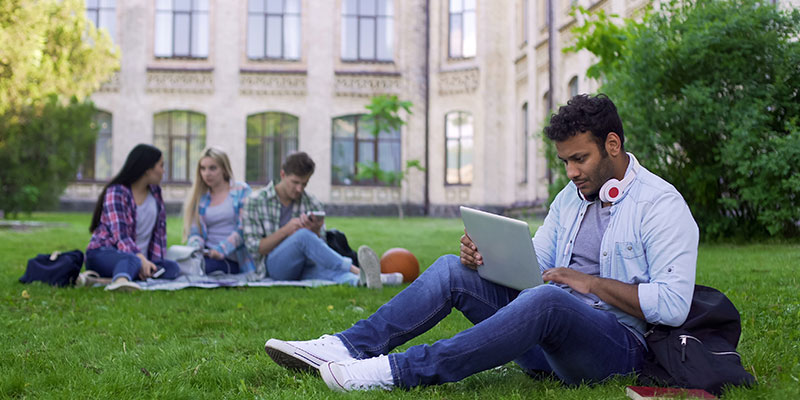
(402, 261)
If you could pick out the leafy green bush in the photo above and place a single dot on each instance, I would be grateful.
(708, 93)
(41, 151)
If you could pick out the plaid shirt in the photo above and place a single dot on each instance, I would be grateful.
(261, 216)
(234, 244)
(117, 228)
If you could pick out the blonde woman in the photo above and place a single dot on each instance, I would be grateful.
(211, 215)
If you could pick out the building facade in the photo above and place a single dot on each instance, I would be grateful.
(262, 78)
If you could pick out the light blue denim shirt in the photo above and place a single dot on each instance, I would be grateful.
(651, 240)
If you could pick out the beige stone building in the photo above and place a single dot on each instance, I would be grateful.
(261, 78)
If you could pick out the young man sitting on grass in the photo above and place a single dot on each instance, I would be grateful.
(618, 245)
(284, 238)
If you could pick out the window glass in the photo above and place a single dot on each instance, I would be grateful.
(181, 28)
(271, 136)
(181, 137)
(353, 142)
(367, 30)
(273, 29)
(458, 148)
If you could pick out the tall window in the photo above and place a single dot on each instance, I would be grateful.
(525, 137)
(367, 27)
(462, 29)
(273, 29)
(271, 136)
(458, 148)
(181, 28)
(573, 87)
(102, 15)
(98, 163)
(353, 142)
(181, 135)
(524, 22)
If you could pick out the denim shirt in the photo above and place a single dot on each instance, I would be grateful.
(651, 240)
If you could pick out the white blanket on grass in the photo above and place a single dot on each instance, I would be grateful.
(215, 281)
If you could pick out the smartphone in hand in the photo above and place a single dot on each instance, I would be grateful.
(316, 214)
(159, 272)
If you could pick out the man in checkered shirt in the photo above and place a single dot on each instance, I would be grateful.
(285, 238)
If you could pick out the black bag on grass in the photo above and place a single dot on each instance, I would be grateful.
(57, 269)
(701, 353)
(338, 242)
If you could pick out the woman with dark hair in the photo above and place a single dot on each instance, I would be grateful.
(129, 226)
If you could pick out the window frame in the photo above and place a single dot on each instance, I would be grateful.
(356, 142)
(194, 10)
(359, 18)
(459, 140)
(171, 139)
(525, 144)
(573, 83)
(90, 163)
(97, 10)
(450, 14)
(280, 137)
(266, 14)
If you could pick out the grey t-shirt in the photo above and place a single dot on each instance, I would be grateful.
(145, 222)
(586, 252)
(220, 221)
(286, 215)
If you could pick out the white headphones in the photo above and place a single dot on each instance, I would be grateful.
(612, 190)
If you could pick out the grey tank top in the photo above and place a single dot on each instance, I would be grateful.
(220, 221)
(145, 222)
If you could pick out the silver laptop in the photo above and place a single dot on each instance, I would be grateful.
(509, 258)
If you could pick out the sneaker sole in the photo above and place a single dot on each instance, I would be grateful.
(292, 358)
(371, 266)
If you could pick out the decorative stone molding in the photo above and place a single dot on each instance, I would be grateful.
(272, 83)
(83, 190)
(367, 84)
(111, 85)
(521, 68)
(457, 194)
(364, 194)
(461, 81)
(179, 81)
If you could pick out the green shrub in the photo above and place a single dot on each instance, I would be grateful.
(41, 152)
(708, 94)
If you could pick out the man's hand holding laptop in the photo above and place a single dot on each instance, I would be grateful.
(469, 252)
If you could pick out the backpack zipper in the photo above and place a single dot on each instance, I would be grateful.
(683, 344)
(683, 339)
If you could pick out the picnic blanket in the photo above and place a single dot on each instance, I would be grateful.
(223, 280)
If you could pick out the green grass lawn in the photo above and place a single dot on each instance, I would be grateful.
(196, 343)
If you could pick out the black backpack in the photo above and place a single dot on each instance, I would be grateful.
(338, 242)
(701, 353)
(57, 269)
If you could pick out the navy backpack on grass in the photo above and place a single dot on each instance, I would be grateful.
(57, 269)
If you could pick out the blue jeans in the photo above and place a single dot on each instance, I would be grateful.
(543, 329)
(303, 255)
(110, 262)
(225, 266)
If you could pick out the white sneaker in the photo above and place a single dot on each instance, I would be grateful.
(307, 355)
(392, 279)
(369, 374)
(123, 286)
(370, 266)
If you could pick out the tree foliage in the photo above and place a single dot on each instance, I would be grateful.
(51, 59)
(384, 116)
(709, 93)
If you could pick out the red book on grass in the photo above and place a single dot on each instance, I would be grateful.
(650, 392)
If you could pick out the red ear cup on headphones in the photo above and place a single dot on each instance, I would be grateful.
(611, 191)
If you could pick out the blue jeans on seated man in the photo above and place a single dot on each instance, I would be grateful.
(224, 266)
(304, 255)
(110, 262)
(543, 329)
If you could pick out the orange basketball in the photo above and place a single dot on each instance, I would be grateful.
(402, 261)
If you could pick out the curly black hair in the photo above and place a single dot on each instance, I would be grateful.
(596, 114)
